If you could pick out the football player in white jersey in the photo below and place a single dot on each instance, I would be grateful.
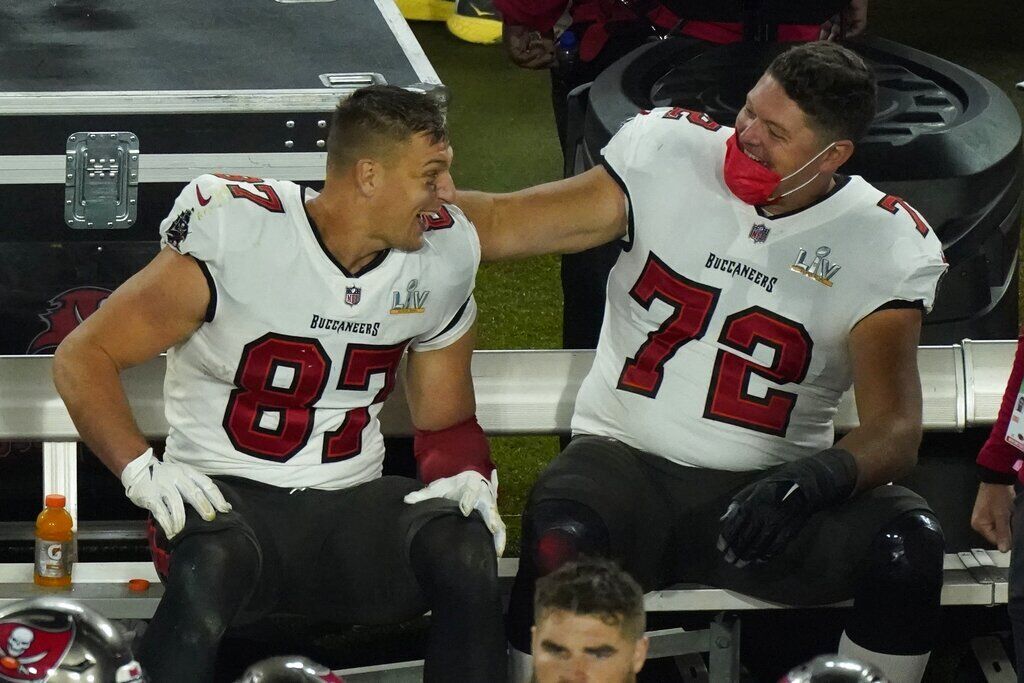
(285, 314)
(755, 286)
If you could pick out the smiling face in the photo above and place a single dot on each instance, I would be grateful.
(575, 648)
(775, 132)
(416, 180)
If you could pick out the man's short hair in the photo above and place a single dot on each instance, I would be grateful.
(373, 119)
(832, 85)
(594, 588)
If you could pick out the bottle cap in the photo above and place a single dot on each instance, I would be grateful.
(55, 500)
(138, 585)
(567, 40)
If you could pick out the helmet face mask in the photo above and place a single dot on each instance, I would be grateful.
(834, 669)
(54, 640)
(289, 669)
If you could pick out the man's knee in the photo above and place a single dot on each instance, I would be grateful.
(907, 553)
(455, 554)
(215, 558)
(560, 531)
(897, 598)
(211, 577)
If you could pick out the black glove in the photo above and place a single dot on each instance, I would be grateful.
(767, 514)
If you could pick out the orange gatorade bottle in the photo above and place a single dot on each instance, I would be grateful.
(54, 543)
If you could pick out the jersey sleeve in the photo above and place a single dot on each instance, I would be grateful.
(619, 155)
(459, 247)
(910, 265)
(922, 283)
(193, 226)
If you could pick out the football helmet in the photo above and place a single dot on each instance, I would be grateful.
(52, 639)
(289, 669)
(834, 669)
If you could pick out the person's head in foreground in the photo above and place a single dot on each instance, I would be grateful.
(589, 618)
(799, 124)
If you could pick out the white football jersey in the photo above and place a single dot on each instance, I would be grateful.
(725, 337)
(284, 381)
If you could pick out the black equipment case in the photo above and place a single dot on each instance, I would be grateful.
(109, 107)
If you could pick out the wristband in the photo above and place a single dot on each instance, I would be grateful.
(449, 451)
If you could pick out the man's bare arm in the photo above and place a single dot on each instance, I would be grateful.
(439, 386)
(560, 217)
(887, 388)
(156, 308)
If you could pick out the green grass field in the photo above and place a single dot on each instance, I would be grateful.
(504, 138)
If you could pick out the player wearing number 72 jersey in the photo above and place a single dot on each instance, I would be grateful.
(755, 285)
(285, 314)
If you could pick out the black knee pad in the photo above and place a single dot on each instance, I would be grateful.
(454, 554)
(212, 576)
(560, 531)
(907, 552)
(216, 554)
(898, 593)
(555, 531)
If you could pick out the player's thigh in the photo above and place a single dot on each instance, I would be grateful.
(607, 478)
(821, 565)
(363, 571)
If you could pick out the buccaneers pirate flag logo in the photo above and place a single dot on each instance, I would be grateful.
(67, 310)
(28, 653)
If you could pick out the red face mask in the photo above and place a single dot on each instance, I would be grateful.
(751, 182)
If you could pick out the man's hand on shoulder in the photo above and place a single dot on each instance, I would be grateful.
(472, 492)
(162, 488)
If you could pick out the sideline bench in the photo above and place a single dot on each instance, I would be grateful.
(518, 393)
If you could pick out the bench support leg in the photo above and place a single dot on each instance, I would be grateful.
(995, 665)
(724, 651)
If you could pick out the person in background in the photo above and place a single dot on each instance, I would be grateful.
(605, 31)
(588, 625)
(998, 510)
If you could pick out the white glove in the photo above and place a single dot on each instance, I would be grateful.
(162, 488)
(472, 492)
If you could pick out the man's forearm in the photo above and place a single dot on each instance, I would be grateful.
(89, 383)
(884, 452)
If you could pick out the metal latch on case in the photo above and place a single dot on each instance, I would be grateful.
(101, 180)
(352, 81)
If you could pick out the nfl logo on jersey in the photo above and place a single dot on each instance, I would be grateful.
(759, 233)
(352, 295)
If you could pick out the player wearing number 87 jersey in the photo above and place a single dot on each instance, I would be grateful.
(285, 314)
(283, 384)
(755, 286)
